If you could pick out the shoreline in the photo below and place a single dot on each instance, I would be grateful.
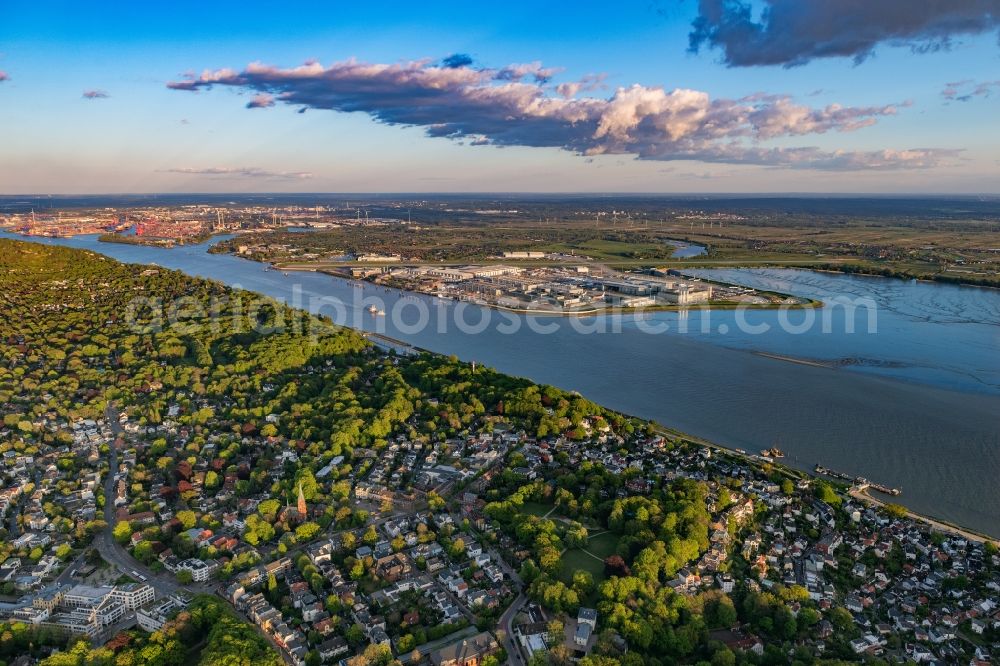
(793, 359)
(930, 520)
(803, 303)
(696, 262)
(935, 524)
(834, 271)
(841, 269)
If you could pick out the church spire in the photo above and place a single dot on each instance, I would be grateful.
(303, 510)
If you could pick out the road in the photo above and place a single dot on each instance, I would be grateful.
(164, 584)
(64, 578)
(514, 654)
(504, 566)
(13, 531)
(431, 646)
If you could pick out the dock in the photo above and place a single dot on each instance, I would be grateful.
(860, 481)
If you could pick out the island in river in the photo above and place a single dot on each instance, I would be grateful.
(559, 288)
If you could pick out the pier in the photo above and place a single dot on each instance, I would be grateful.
(860, 481)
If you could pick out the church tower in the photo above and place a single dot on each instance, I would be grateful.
(303, 510)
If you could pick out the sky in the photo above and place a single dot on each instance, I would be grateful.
(680, 96)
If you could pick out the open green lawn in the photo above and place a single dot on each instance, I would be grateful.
(576, 560)
(536, 508)
(603, 545)
(603, 249)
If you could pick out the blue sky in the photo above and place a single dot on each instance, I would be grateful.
(893, 129)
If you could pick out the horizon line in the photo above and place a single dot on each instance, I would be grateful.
(611, 193)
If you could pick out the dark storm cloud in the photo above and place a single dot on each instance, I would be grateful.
(793, 32)
(457, 60)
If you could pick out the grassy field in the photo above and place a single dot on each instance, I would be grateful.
(603, 545)
(590, 558)
(577, 560)
(966, 252)
(536, 508)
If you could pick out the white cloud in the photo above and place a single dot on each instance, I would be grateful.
(518, 106)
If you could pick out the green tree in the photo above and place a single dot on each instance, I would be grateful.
(187, 518)
(827, 494)
(841, 619)
(895, 510)
(307, 531)
(122, 531)
(434, 501)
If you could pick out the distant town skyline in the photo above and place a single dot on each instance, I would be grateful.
(690, 96)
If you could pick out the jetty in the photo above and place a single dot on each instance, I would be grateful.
(860, 481)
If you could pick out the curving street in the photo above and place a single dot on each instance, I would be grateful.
(164, 584)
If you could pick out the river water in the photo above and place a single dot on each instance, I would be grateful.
(687, 250)
(912, 402)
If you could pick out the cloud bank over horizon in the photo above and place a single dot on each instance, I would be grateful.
(240, 172)
(793, 32)
(518, 105)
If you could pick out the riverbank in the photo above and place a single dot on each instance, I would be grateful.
(916, 416)
(855, 269)
(636, 311)
(148, 241)
(800, 303)
(864, 495)
(846, 268)
(933, 523)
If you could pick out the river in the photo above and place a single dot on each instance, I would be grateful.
(912, 403)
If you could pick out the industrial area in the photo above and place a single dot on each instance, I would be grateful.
(556, 289)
